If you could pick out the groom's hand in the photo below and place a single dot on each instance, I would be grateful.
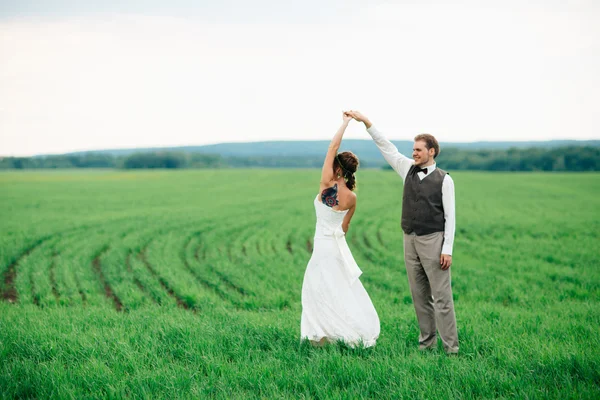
(445, 261)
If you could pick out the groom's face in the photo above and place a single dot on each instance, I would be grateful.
(421, 154)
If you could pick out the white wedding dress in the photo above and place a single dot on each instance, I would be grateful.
(335, 305)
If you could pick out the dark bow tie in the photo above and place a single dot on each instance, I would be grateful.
(423, 170)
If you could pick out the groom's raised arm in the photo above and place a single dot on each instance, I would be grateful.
(398, 161)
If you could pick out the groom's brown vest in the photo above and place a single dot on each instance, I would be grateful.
(422, 207)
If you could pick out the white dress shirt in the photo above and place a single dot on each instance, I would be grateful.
(401, 164)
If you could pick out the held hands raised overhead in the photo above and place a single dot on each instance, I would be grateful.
(359, 117)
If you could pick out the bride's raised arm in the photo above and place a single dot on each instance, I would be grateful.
(328, 174)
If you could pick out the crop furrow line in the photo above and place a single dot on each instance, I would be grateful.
(108, 291)
(362, 252)
(379, 238)
(161, 280)
(230, 284)
(9, 293)
(53, 277)
(221, 276)
(198, 277)
(366, 240)
(136, 280)
(80, 290)
(258, 249)
(35, 298)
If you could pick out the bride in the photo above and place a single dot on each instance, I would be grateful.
(335, 305)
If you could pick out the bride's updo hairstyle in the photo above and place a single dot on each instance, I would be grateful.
(348, 163)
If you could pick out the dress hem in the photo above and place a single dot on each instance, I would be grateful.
(351, 343)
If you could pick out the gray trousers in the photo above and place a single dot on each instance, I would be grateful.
(431, 290)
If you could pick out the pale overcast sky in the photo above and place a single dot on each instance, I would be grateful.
(83, 75)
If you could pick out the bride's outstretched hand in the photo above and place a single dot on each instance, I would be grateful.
(347, 117)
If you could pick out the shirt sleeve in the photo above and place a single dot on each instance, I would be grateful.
(398, 161)
(449, 214)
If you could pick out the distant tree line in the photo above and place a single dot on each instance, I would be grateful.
(163, 159)
(570, 158)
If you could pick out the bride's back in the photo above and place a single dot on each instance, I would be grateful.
(338, 197)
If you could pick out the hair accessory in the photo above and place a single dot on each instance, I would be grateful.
(341, 166)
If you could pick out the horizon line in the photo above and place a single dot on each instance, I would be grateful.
(161, 147)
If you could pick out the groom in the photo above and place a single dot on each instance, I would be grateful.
(428, 225)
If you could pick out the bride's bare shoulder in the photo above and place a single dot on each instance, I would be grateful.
(350, 194)
(352, 199)
(348, 198)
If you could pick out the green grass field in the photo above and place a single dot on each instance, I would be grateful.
(186, 284)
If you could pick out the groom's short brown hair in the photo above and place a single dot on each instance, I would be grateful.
(430, 142)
